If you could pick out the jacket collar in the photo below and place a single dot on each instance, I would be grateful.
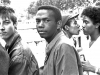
(14, 40)
(52, 43)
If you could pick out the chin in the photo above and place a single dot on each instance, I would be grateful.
(42, 36)
(85, 33)
(5, 37)
(2, 37)
(76, 34)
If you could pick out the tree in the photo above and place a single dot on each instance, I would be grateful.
(61, 4)
(94, 1)
(97, 3)
(32, 8)
(5, 2)
(39, 2)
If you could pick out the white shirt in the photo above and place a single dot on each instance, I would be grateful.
(92, 54)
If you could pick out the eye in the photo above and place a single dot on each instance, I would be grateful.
(85, 21)
(75, 22)
(6, 22)
(38, 21)
(46, 20)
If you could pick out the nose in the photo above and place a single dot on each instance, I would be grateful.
(2, 27)
(78, 25)
(41, 24)
(83, 25)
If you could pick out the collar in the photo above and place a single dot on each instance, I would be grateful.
(95, 42)
(65, 32)
(13, 41)
(52, 43)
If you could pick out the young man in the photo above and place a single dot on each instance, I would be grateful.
(60, 56)
(91, 27)
(70, 27)
(22, 61)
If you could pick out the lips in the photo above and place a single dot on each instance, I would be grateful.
(41, 32)
(3, 33)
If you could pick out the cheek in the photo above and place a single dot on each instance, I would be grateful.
(10, 30)
(51, 30)
(89, 29)
(36, 25)
(73, 29)
(51, 26)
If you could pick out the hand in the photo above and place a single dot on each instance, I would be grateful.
(87, 66)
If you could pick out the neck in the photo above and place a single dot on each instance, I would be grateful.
(9, 40)
(94, 36)
(68, 34)
(52, 37)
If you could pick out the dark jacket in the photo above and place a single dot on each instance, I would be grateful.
(61, 58)
(4, 61)
(22, 61)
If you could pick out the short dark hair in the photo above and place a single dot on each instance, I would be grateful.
(8, 12)
(57, 13)
(93, 12)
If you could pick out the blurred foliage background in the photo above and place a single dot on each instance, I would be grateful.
(63, 5)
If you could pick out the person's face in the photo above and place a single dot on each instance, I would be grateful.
(88, 26)
(74, 27)
(6, 27)
(46, 24)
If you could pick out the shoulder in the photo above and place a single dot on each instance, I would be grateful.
(22, 49)
(66, 40)
(3, 52)
(65, 43)
(22, 45)
(64, 48)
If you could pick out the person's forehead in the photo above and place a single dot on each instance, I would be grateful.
(5, 17)
(86, 18)
(44, 12)
(73, 19)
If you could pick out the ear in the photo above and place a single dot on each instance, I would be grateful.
(15, 26)
(66, 27)
(97, 25)
(59, 24)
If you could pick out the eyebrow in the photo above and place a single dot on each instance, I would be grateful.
(41, 18)
(6, 20)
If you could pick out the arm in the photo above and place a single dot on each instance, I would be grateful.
(22, 65)
(98, 71)
(88, 67)
(17, 66)
(66, 63)
(4, 61)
